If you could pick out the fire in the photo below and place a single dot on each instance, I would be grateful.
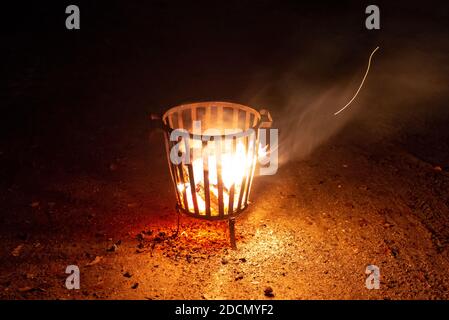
(236, 167)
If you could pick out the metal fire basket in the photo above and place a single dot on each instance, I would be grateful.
(217, 144)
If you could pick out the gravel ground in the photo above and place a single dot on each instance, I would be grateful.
(309, 233)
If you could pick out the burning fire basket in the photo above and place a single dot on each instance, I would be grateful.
(212, 150)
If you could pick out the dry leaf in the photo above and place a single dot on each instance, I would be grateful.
(16, 251)
(95, 261)
(28, 289)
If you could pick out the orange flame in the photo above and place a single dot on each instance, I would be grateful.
(236, 168)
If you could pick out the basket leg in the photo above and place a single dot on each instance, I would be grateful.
(178, 212)
(232, 233)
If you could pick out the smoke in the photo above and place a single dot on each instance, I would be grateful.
(406, 86)
(308, 120)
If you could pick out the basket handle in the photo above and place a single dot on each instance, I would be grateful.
(156, 121)
(265, 119)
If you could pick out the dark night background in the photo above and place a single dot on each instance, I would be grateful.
(76, 160)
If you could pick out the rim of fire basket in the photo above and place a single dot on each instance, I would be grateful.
(210, 104)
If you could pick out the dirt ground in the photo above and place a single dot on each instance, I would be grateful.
(84, 179)
(309, 233)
